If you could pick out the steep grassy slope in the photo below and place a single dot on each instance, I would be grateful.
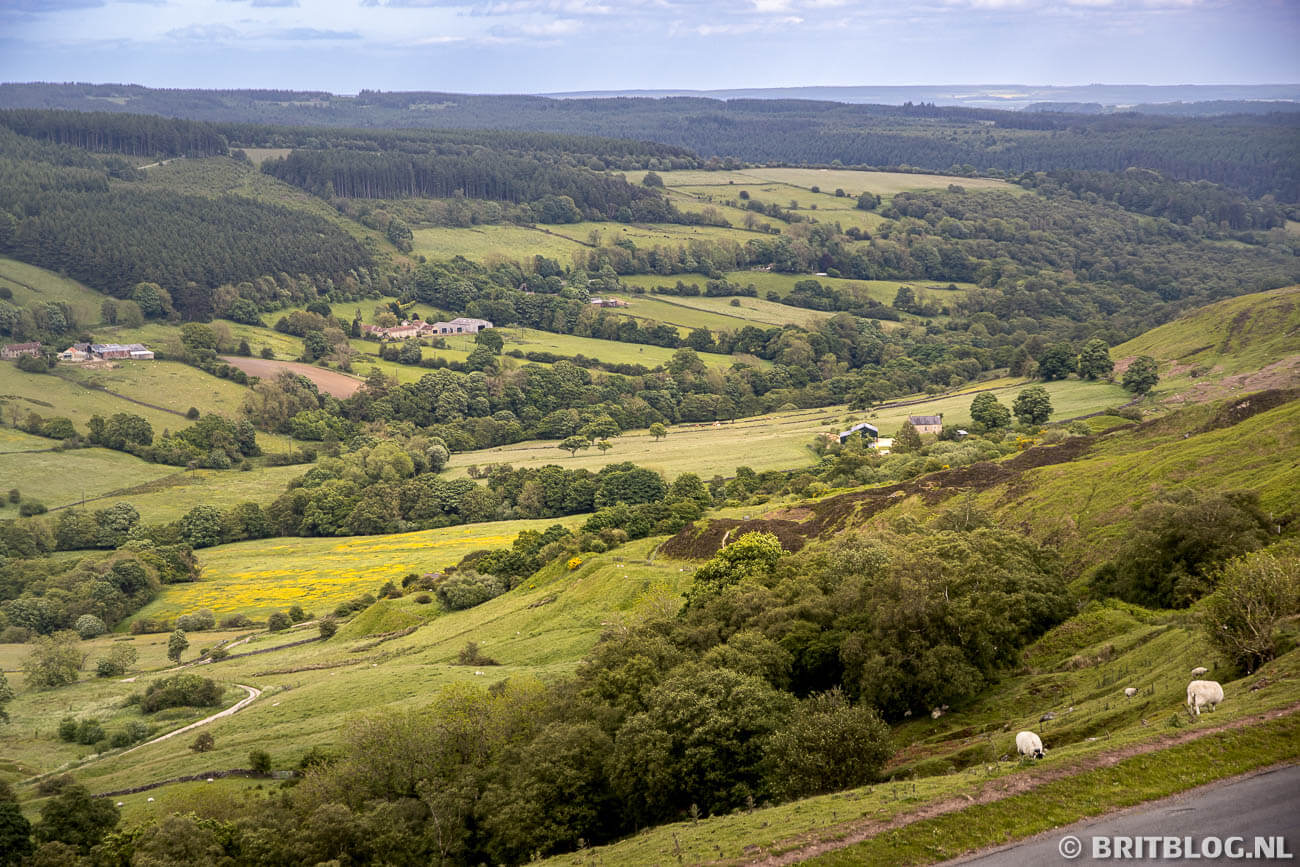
(1241, 344)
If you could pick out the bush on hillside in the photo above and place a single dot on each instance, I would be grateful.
(180, 690)
(467, 588)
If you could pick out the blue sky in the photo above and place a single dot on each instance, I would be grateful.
(535, 46)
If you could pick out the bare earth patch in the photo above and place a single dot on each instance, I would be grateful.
(332, 382)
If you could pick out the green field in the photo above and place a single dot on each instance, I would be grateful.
(30, 284)
(716, 314)
(173, 495)
(489, 243)
(1153, 656)
(775, 441)
(58, 478)
(778, 440)
(1243, 334)
(610, 351)
(164, 383)
(851, 181)
(257, 578)
(305, 708)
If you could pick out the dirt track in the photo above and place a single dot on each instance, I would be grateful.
(331, 382)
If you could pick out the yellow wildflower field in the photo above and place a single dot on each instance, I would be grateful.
(257, 578)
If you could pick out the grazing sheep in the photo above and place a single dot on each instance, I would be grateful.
(1202, 693)
(1199, 670)
(1047, 717)
(1029, 744)
(1130, 691)
(936, 713)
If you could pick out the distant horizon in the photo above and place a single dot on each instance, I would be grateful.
(567, 46)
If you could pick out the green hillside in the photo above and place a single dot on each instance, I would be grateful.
(1253, 340)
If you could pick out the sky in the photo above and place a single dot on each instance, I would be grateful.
(540, 46)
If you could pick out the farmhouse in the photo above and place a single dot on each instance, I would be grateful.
(607, 302)
(13, 350)
(926, 424)
(869, 432)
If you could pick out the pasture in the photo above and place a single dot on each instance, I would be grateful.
(30, 284)
(65, 478)
(259, 577)
(171, 496)
(313, 691)
(779, 440)
(853, 182)
(716, 314)
(610, 351)
(484, 243)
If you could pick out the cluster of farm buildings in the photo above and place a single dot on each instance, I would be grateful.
(82, 351)
(406, 330)
(924, 424)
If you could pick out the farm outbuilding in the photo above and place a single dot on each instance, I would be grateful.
(868, 432)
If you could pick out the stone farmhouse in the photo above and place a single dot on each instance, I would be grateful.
(927, 424)
(13, 350)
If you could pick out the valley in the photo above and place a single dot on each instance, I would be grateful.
(769, 505)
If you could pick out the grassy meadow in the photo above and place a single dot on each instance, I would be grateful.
(30, 284)
(1236, 336)
(778, 440)
(259, 577)
(65, 478)
(313, 691)
(716, 314)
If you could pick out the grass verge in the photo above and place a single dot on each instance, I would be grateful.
(1091, 793)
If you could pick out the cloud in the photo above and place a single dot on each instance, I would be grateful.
(39, 6)
(311, 33)
(203, 33)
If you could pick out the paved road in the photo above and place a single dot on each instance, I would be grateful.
(1265, 805)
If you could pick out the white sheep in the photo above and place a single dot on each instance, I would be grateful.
(1203, 693)
(1029, 744)
(1130, 691)
(1199, 670)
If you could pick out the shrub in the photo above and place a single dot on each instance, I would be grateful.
(827, 745)
(328, 626)
(68, 729)
(278, 622)
(204, 743)
(108, 668)
(217, 654)
(260, 761)
(423, 599)
(197, 622)
(236, 621)
(28, 508)
(180, 690)
(471, 655)
(119, 739)
(1255, 592)
(89, 731)
(468, 588)
(297, 615)
(89, 626)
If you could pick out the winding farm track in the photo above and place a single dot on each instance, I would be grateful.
(253, 693)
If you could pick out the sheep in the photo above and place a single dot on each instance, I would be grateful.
(1029, 744)
(1203, 692)
(1047, 717)
(1199, 670)
(1130, 691)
